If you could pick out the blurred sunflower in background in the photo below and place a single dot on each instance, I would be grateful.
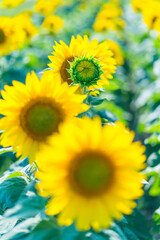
(139, 5)
(24, 22)
(44, 105)
(46, 7)
(11, 36)
(53, 23)
(94, 176)
(117, 52)
(109, 17)
(151, 15)
(11, 3)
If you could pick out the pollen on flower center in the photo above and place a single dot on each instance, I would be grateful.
(40, 118)
(91, 174)
(2, 36)
(85, 71)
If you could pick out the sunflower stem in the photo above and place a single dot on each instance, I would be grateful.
(84, 90)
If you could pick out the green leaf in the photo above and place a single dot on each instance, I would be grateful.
(10, 191)
(139, 225)
(153, 159)
(22, 230)
(16, 174)
(129, 234)
(94, 100)
(155, 127)
(155, 189)
(153, 139)
(72, 234)
(4, 150)
(46, 229)
(6, 224)
(154, 181)
(28, 205)
(114, 109)
(113, 85)
(109, 116)
(156, 222)
(119, 231)
(110, 234)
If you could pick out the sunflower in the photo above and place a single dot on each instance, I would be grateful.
(94, 175)
(140, 5)
(109, 17)
(117, 52)
(108, 24)
(46, 7)
(24, 22)
(11, 36)
(151, 15)
(12, 3)
(53, 23)
(88, 56)
(34, 111)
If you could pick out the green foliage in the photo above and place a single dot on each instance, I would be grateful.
(24, 215)
(10, 190)
(132, 97)
(156, 221)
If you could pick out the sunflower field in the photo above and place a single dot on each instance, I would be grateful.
(80, 119)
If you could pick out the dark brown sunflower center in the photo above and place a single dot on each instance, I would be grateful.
(64, 70)
(2, 36)
(90, 173)
(40, 118)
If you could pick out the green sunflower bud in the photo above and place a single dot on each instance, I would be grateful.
(85, 71)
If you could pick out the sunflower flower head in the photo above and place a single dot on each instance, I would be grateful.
(94, 176)
(117, 52)
(27, 124)
(46, 7)
(53, 23)
(151, 15)
(23, 21)
(140, 5)
(11, 35)
(11, 3)
(109, 17)
(85, 71)
(81, 61)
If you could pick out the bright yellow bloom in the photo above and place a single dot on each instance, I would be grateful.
(108, 24)
(53, 23)
(151, 15)
(12, 3)
(80, 47)
(11, 36)
(116, 11)
(46, 7)
(92, 174)
(34, 111)
(24, 22)
(140, 5)
(109, 17)
(117, 52)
